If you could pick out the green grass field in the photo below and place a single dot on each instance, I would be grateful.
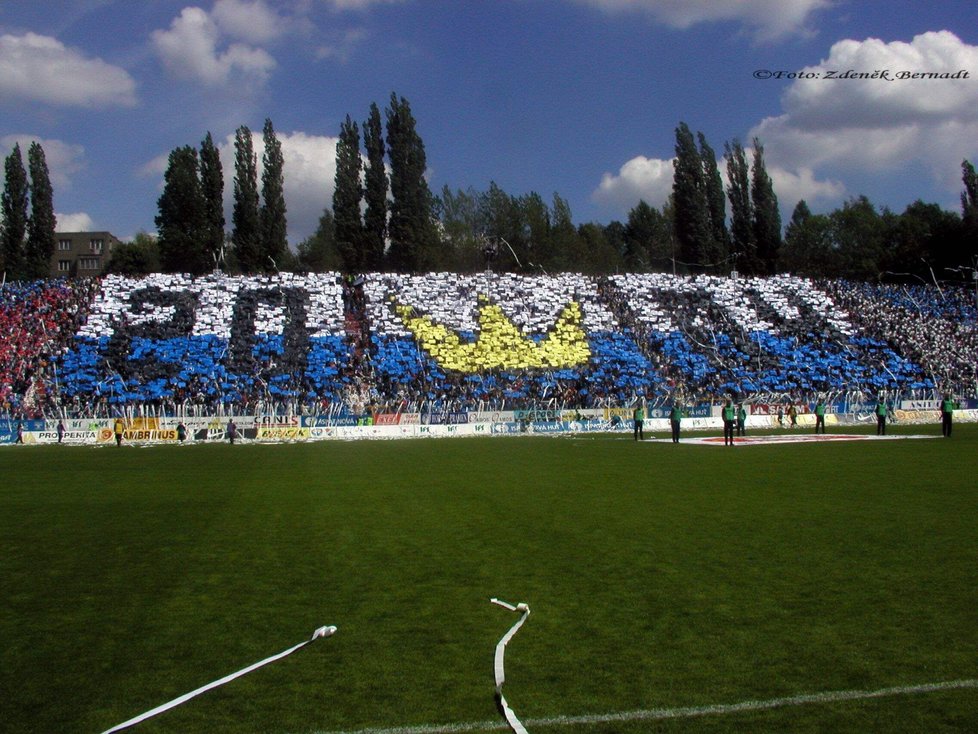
(659, 577)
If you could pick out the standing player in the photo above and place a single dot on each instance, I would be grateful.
(741, 420)
(638, 416)
(880, 412)
(118, 428)
(675, 417)
(820, 416)
(729, 416)
(947, 411)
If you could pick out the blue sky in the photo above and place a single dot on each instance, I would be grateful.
(577, 97)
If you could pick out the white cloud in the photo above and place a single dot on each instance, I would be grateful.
(253, 22)
(343, 48)
(43, 69)
(769, 19)
(882, 124)
(793, 186)
(189, 49)
(76, 222)
(155, 167)
(888, 101)
(63, 159)
(310, 170)
(640, 178)
(358, 4)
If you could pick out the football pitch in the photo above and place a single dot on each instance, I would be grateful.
(802, 587)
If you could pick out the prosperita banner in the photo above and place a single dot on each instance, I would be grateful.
(73, 437)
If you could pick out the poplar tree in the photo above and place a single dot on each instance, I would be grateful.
(246, 234)
(743, 246)
(347, 197)
(715, 204)
(412, 236)
(274, 227)
(212, 187)
(181, 221)
(375, 193)
(13, 206)
(692, 216)
(767, 217)
(42, 224)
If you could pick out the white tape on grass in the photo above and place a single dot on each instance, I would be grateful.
(686, 712)
(320, 632)
(498, 669)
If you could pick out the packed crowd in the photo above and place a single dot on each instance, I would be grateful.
(777, 335)
(38, 320)
(325, 343)
(934, 328)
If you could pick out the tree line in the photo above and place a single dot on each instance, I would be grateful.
(191, 223)
(384, 217)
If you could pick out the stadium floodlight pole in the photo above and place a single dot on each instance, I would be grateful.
(500, 674)
(325, 631)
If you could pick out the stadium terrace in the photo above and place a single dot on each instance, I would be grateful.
(386, 343)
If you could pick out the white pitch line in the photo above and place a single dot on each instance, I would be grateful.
(686, 712)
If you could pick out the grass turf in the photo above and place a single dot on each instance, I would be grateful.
(659, 576)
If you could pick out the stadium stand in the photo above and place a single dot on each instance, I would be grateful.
(441, 341)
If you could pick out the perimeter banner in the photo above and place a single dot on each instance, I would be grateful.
(9, 430)
(282, 433)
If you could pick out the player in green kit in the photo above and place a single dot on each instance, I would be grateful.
(820, 415)
(880, 412)
(675, 418)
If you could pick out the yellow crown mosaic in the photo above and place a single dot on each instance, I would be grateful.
(500, 343)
